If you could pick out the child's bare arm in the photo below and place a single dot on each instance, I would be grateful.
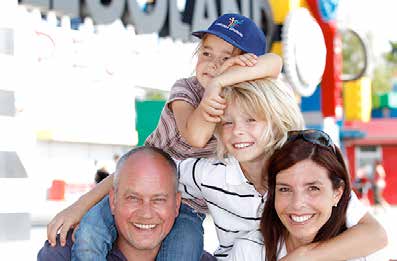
(361, 240)
(71, 216)
(267, 65)
(193, 124)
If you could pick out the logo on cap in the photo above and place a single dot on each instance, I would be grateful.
(234, 22)
(231, 26)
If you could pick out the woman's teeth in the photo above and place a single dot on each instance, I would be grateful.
(300, 219)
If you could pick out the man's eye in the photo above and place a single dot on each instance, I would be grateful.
(159, 200)
(132, 198)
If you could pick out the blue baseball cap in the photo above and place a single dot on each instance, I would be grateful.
(239, 31)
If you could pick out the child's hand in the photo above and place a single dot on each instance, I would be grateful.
(247, 59)
(212, 105)
(62, 222)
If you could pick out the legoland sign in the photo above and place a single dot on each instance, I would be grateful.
(164, 16)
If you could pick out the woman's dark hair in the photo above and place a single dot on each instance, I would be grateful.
(288, 155)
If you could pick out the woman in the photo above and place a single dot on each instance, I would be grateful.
(308, 195)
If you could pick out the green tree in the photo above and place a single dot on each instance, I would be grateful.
(353, 53)
(383, 73)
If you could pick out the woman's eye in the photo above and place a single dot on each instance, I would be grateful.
(314, 188)
(226, 123)
(251, 120)
(283, 189)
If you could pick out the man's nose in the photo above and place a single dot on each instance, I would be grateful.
(146, 210)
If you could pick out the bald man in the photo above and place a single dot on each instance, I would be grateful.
(144, 201)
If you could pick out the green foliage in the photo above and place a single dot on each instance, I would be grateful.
(391, 57)
(383, 73)
(381, 81)
(155, 95)
(353, 53)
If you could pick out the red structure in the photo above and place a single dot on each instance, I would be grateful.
(331, 84)
(380, 142)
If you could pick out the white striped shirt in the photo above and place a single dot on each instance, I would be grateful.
(233, 202)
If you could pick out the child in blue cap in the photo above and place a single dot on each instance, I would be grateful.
(231, 50)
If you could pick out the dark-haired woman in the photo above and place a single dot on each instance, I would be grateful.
(308, 195)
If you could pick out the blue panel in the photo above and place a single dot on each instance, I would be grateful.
(312, 103)
(393, 113)
(377, 113)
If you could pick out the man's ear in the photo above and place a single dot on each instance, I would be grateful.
(112, 198)
(178, 203)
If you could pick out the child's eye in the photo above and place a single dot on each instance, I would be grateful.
(251, 120)
(204, 53)
(226, 58)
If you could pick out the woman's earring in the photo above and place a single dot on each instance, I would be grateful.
(336, 204)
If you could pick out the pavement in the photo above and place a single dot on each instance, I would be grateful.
(25, 250)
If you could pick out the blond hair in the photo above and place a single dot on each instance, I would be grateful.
(265, 99)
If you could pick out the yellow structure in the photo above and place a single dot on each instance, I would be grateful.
(281, 9)
(357, 99)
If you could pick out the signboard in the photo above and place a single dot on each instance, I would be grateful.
(164, 15)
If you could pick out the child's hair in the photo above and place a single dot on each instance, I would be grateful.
(236, 50)
(266, 99)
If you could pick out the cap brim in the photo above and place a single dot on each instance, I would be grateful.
(200, 35)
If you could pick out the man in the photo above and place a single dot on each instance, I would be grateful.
(144, 201)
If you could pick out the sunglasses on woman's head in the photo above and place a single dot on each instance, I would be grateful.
(313, 136)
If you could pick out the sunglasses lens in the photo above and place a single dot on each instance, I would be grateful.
(314, 136)
(317, 137)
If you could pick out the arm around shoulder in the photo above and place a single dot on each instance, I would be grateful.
(365, 238)
(59, 253)
(72, 215)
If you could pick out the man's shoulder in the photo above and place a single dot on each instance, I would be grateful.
(58, 252)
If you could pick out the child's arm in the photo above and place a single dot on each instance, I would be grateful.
(71, 216)
(361, 240)
(267, 65)
(197, 125)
